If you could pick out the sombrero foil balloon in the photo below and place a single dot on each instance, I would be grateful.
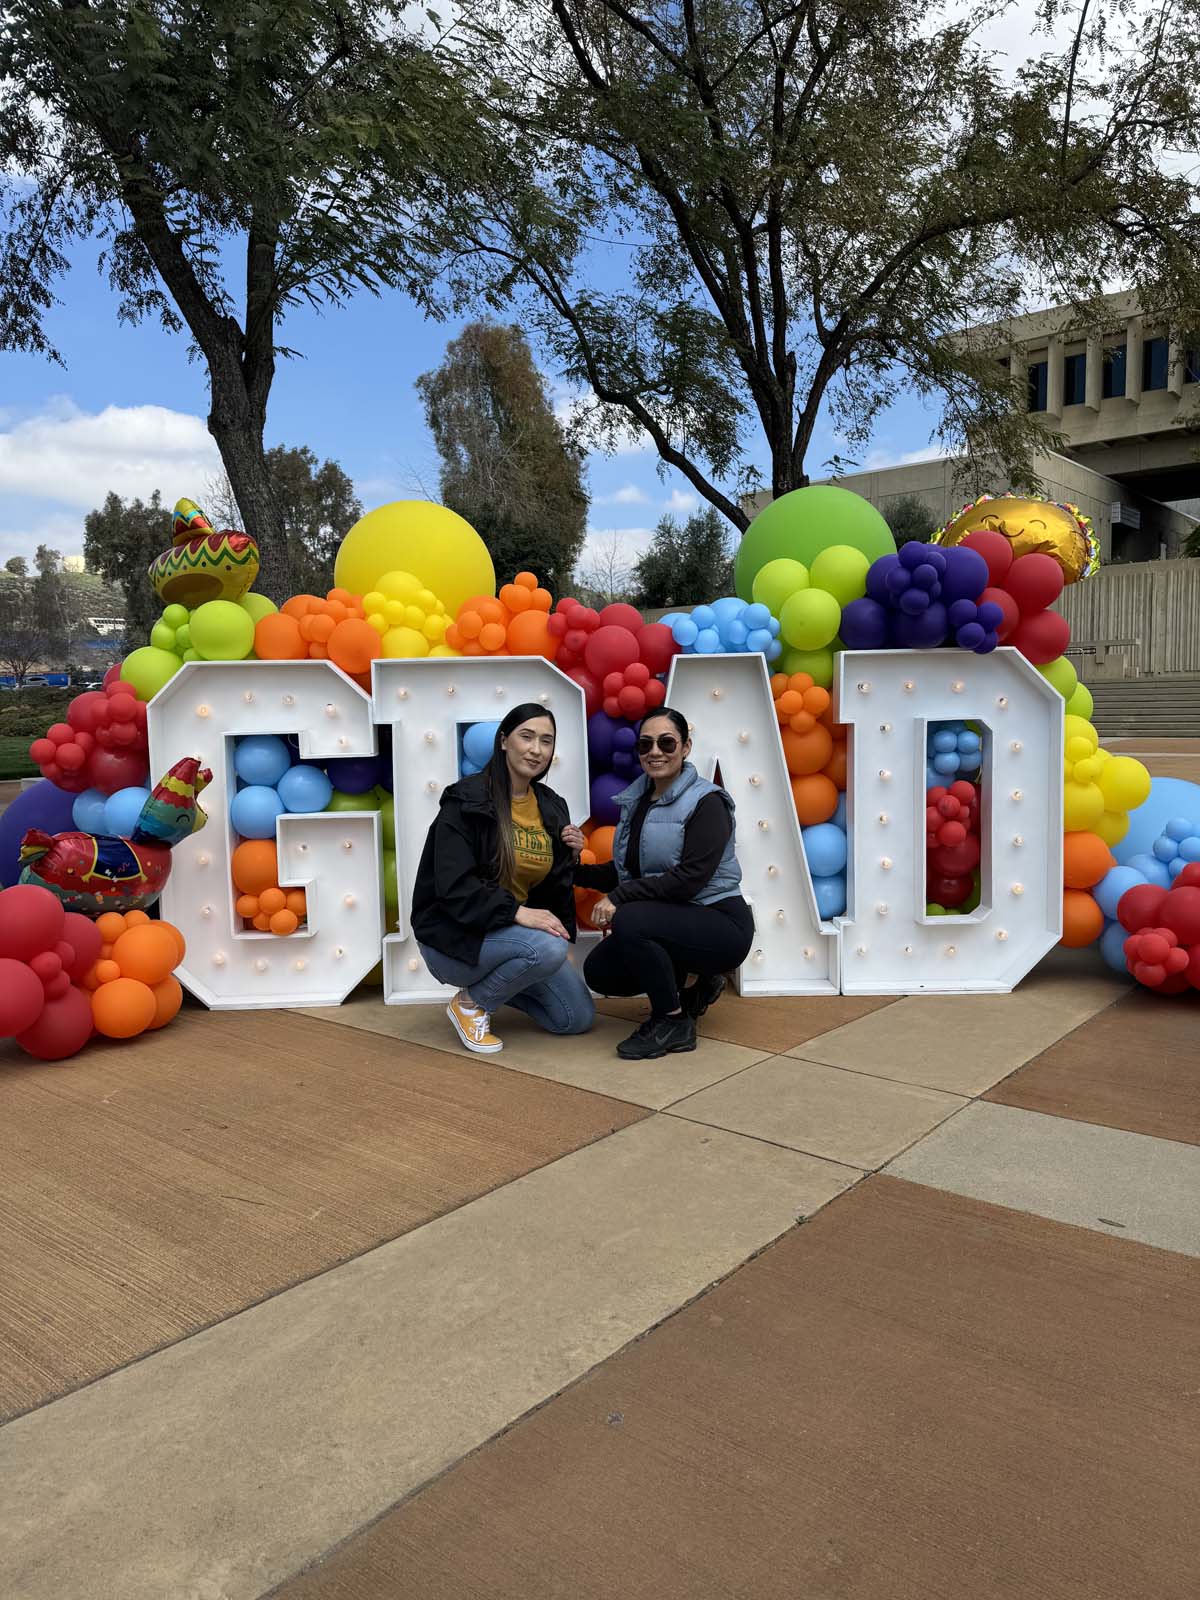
(1032, 525)
(93, 872)
(202, 563)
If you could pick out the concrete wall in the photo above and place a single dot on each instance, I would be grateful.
(1135, 621)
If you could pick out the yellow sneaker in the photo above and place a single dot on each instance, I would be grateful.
(473, 1025)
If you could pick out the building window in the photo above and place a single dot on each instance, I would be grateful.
(1191, 366)
(1155, 358)
(1037, 385)
(1114, 371)
(1074, 379)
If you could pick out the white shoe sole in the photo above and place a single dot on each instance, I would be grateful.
(469, 1043)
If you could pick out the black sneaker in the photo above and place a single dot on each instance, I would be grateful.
(698, 996)
(659, 1036)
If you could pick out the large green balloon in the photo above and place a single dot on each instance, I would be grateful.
(222, 631)
(801, 524)
(777, 582)
(1062, 675)
(810, 619)
(339, 800)
(1081, 703)
(257, 606)
(817, 663)
(147, 669)
(841, 571)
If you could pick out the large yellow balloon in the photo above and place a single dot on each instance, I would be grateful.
(435, 544)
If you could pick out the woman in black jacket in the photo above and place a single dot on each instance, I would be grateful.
(493, 906)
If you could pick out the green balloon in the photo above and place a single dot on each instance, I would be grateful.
(934, 910)
(148, 669)
(841, 571)
(339, 800)
(175, 616)
(1081, 703)
(222, 631)
(777, 582)
(387, 814)
(802, 524)
(810, 619)
(1061, 675)
(192, 655)
(183, 636)
(257, 606)
(391, 888)
(162, 637)
(817, 663)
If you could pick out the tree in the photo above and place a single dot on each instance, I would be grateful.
(119, 542)
(817, 199)
(303, 139)
(506, 464)
(18, 566)
(910, 518)
(605, 576)
(686, 565)
(319, 506)
(34, 627)
(49, 600)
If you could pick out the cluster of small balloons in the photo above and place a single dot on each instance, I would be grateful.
(102, 746)
(952, 846)
(1161, 946)
(728, 626)
(814, 746)
(952, 750)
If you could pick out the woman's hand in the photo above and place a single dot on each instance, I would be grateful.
(546, 921)
(603, 912)
(573, 838)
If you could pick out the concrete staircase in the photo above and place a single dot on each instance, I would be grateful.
(1145, 707)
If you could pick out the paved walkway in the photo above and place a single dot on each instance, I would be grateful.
(315, 1305)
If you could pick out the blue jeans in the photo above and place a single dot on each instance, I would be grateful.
(523, 968)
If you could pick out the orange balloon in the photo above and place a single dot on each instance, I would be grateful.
(146, 953)
(1083, 920)
(788, 703)
(123, 1008)
(110, 926)
(529, 635)
(168, 997)
(298, 606)
(468, 625)
(585, 904)
(1086, 858)
(277, 637)
(284, 922)
(318, 629)
(179, 939)
(271, 901)
(262, 922)
(246, 905)
(516, 597)
(136, 919)
(255, 865)
(297, 902)
(836, 766)
(600, 843)
(492, 637)
(779, 683)
(106, 971)
(816, 798)
(807, 752)
(344, 596)
(353, 645)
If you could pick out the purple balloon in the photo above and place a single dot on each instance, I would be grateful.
(877, 577)
(601, 730)
(44, 805)
(354, 774)
(966, 575)
(922, 632)
(989, 616)
(864, 624)
(970, 636)
(914, 601)
(605, 788)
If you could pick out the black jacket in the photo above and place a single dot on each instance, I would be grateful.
(456, 899)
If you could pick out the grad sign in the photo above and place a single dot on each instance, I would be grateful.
(884, 944)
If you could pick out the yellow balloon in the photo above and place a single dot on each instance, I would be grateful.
(1087, 770)
(444, 650)
(1113, 826)
(416, 537)
(1124, 783)
(398, 585)
(1077, 728)
(1083, 806)
(404, 642)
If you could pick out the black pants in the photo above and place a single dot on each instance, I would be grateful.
(654, 944)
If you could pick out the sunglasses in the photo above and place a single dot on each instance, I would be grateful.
(666, 742)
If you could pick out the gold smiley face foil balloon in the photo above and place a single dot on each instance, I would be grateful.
(1032, 526)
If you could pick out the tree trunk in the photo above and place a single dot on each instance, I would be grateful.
(239, 437)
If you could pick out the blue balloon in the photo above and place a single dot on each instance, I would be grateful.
(708, 642)
(704, 616)
(304, 788)
(88, 811)
(1113, 885)
(774, 650)
(1165, 849)
(684, 632)
(1180, 828)
(839, 816)
(261, 758)
(945, 739)
(1175, 867)
(759, 639)
(478, 742)
(1151, 869)
(735, 634)
(121, 811)
(757, 616)
(671, 618)
(824, 848)
(968, 740)
(831, 894)
(947, 763)
(1189, 848)
(1169, 798)
(467, 769)
(1112, 947)
(727, 608)
(254, 810)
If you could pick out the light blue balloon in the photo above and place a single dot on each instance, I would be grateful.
(825, 849)
(478, 742)
(1151, 868)
(735, 633)
(467, 769)
(1112, 947)
(839, 816)
(728, 607)
(968, 740)
(831, 894)
(1165, 849)
(87, 813)
(254, 810)
(946, 763)
(304, 788)
(1179, 828)
(1169, 798)
(1189, 848)
(757, 616)
(261, 758)
(684, 632)
(759, 639)
(945, 739)
(775, 650)
(708, 642)
(121, 810)
(1115, 882)
(671, 618)
(704, 617)
(1175, 867)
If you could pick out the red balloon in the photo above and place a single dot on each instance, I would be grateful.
(946, 890)
(1138, 907)
(619, 615)
(656, 694)
(1180, 912)
(1035, 581)
(1002, 598)
(83, 936)
(610, 649)
(87, 711)
(21, 996)
(1189, 878)
(31, 920)
(1042, 637)
(656, 645)
(591, 689)
(632, 701)
(1193, 971)
(63, 1028)
(113, 675)
(111, 770)
(995, 550)
(952, 860)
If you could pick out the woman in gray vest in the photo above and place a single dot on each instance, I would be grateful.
(673, 905)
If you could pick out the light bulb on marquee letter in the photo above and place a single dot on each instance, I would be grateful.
(1022, 777)
(768, 831)
(227, 965)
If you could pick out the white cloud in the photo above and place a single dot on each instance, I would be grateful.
(681, 501)
(627, 495)
(882, 457)
(620, 546)
(573, 406)
(61, 530)
(74, 458)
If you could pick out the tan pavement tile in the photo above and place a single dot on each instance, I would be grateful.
(843, 1116)
(216, 1468)
(586, 1060)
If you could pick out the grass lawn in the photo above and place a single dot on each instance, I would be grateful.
(14, 756)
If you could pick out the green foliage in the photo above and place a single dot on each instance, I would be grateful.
(35, 627)
(910, 518)
(506, 465)
(686, 565)
(27, 713)
(14, 756)
(120, 541)
(814, 201)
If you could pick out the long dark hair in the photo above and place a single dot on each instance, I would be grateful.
(499, 783)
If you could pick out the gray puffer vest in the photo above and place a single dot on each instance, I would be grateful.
(662, 832)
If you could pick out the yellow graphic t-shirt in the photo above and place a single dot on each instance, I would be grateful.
(532, 848)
